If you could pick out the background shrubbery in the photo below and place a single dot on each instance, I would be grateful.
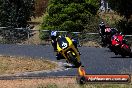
(123, 8)
(124, 26)
(71, 15)
(15, 14)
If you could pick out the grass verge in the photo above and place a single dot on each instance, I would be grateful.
(55, 83)
(11, 65)
(91, 44)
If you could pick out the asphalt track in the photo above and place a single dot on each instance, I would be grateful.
(94, 60)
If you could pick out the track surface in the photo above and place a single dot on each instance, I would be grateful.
(95, 60)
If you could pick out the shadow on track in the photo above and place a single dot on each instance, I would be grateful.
(120, 57)
(69, 66)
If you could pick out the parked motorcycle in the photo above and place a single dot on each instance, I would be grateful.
(66, 48)
(119, 45)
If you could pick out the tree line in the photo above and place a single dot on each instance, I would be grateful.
(123, 8)
(69, 15)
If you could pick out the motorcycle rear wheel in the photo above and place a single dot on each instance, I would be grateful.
(125, 51)
(130, 55)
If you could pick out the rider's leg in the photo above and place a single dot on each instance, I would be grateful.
(75, 44)
(59, 56)
(54, 44)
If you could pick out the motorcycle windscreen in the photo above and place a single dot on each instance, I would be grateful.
(63, 43)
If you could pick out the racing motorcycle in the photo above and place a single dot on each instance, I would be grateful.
(66, 48)
(120, 46)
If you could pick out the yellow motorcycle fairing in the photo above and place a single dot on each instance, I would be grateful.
(70, 48)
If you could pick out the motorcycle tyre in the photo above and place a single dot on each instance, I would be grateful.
(74, 61)
(127, 52)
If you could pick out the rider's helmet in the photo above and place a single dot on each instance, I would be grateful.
(102, 23)
(53, 35)
(102, 28)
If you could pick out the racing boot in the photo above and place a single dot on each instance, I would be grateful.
(78, 51)
(59, 56)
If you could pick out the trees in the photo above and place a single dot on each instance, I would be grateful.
(124, 8)
(69, 15)
(15, 13)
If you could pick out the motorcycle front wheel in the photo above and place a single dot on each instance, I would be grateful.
(74, 60)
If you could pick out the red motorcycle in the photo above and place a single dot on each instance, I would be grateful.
(119, 45)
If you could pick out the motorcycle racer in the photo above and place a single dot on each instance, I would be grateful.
(102, 28)
(106, 33)
(54, 36)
